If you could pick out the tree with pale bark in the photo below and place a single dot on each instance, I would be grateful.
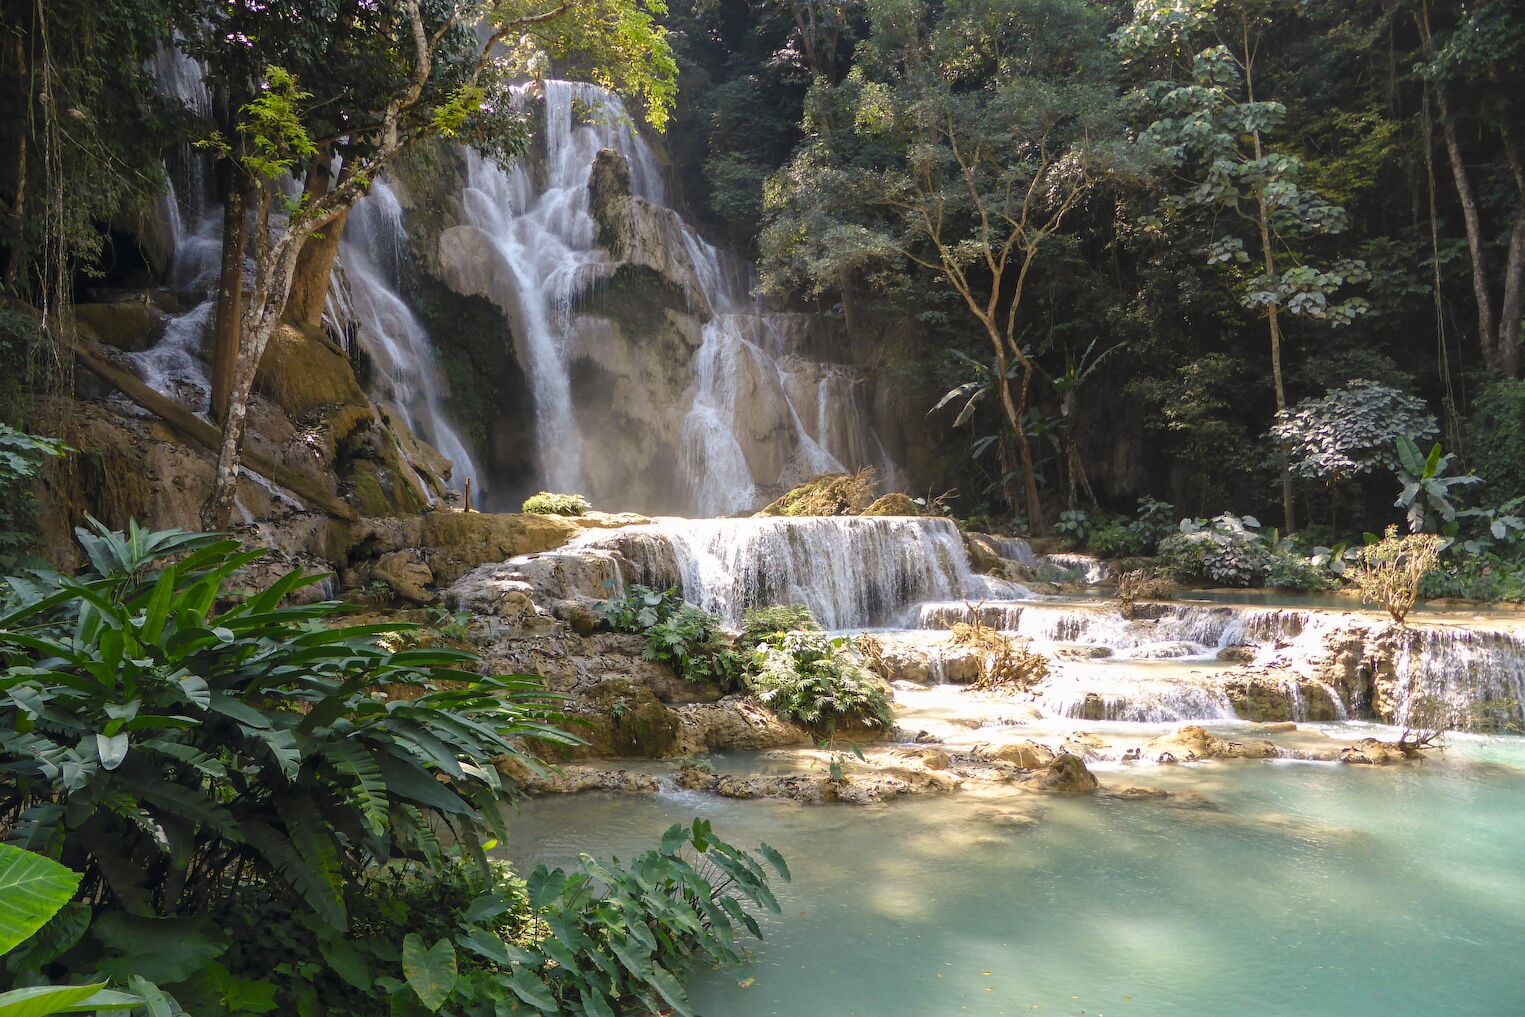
(960, 142)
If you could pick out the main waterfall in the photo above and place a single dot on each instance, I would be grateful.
(753, 414)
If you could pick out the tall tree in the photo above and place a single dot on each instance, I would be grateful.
(960, 141)
(431, 77)
(1212, 121)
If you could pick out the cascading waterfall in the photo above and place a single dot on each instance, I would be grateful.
(539, 221)
(1461, 677)
(851, 571)
(543, 232)
(370, 255)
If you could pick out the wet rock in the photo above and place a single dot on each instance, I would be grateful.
(1193, 742)
(1241, 654)
(1133, 792)
(133, 325)
(936, 759)
(1067, 774)
(573, 779)
(734, 723)
(1005, 817)
(1027, 755)
(1375, 752)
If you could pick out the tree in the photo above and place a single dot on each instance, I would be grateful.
(1212, 127)
(1479, 64)
(432, 79)
(1350, 431)
(958, 143)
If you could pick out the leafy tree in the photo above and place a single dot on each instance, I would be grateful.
(960, 141)
(1201, 58)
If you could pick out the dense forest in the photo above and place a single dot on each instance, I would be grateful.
(803, 317)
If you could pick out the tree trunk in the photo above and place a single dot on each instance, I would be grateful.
(1035, 521)
(230, 292)
(1512, 309)
(309, 287)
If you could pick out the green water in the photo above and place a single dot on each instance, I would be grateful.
(1310, 890)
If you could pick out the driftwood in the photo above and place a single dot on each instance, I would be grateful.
(191, 427)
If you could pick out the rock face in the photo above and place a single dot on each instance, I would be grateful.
(1192, 742)
(1066, 774)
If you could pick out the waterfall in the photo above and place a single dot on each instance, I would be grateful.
(370, 254)
(851, 571)
(1450, 676)
(538, 219)
(544, 235)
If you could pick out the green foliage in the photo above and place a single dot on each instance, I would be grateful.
(34, 891)
(547, 504)
(178, 754)
(1228, 550)
(760, 623)
(1483, 575)
(1498, 438)
(21, 459)
(679, 634)
(1288, 570)
(1425, 492)
(1075, 526)
(818, 681)
(272, 124)
(1351, 431)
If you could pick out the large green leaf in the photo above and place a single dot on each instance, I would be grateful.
(162, 950)
(42, 1000)
(431, 971)
(32, 890)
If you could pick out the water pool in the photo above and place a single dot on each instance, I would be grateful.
(1308, 890)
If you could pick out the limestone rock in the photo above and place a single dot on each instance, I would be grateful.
(1192, 742)
(133, 325)
(1067, 774)
(407, 574)
(734, 723)
(1375, 752)
(1027, 755)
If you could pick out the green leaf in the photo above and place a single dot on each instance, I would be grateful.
(430, 971)
(533, 991)
(112, 749)
(162, 950)
(774, 859)
(32, 890)
(42, 1000)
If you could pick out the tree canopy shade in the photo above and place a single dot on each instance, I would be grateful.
(360, 84)
(959, 142)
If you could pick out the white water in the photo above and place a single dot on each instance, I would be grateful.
(538, 219)
(400, 347)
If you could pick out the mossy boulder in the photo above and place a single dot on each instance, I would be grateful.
(302, 372)
(894, 504)
(460, 541)
(131, 325)
(827, 494)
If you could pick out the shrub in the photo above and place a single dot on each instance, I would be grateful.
(547, 504)
(1074, 526)
(1391, 570)
(818, 681)
(1289, 570)
(1350, 431)
(1004, 663)
(691, 641)
(21, 459)
(603, 938)
(179, 757)
(1155, 521)
(759, 623)
(1475, 576)
(1498, 433)
(1114, 539)
(1139, 584)
(1226, 550)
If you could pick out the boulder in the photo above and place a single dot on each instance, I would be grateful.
(1192, 742)
(1067, 774)
(302, 371)
(133, 325)
(407, 574)
(894, 504)
(1375, 752)
(1027, 755)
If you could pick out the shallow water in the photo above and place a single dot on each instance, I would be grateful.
(1309, 890)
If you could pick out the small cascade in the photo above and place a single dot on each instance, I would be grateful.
(1451, 676)
(1085, 568)
(1139, 702)
(1015, 549)
(407, 370)
(851, 571)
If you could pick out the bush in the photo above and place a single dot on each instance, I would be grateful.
(1289, 570)
(1498, 438)
(181, 758)
(1475, 576)
(1391, 570)
(21, 459)
(1004, 663)
(691, 641)
(547, 504)
(1115, 540)
(1226, 550)
(1074, 527)
(759, 623)
(819, 682)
